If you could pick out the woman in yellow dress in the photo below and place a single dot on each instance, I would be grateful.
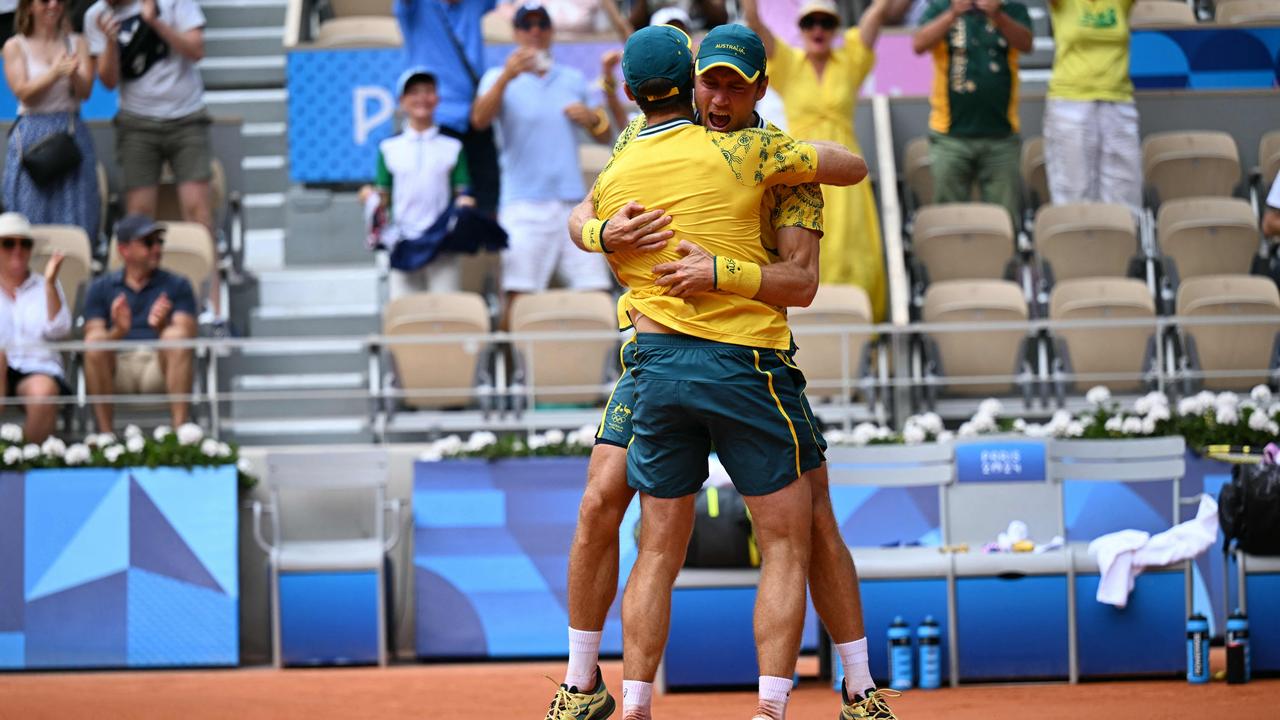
(819, 86)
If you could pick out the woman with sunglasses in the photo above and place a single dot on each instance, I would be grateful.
(819, 84)
(33, 310)
(48, 68)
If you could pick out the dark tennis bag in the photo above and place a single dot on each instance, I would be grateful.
(1249, 509)
(722, 536)
(459, 230)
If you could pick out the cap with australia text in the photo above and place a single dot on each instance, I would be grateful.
(733, 46)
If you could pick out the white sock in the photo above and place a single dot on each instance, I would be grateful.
(857, 671)
(637, 699)
(584, 656)
(774, 693)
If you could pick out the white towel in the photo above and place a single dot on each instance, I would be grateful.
(1122, 556)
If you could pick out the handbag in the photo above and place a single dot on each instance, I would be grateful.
(51, 158)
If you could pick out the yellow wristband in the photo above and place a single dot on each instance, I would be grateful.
(602, 122)
(736, 276)
(593, 235)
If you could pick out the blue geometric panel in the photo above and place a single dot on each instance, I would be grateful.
(80, 627)
(11, 524)
(1094, 509)
(480, 508)
(184, 498)
(155, 546)
(174, 623)
(100, 546)
(448, 625)
(13, 650)
(61, 500)
(329, 617)
(1207, 57)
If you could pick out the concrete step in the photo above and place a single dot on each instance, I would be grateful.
(244, 41)
(263, 105)
(301, 396)
(324, 228)
(311, 287)
(270, 138)
(334, 430)
(349, 320)
(264, 173)
(334, 356)
(243, 13)
(264, 211)
(264, 249)
(247, 71)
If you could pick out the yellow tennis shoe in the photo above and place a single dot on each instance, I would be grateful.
(569, 704)
(872, 707)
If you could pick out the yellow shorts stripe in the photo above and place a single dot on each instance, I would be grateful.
(812, 431)
(622, 360)
(794, 440)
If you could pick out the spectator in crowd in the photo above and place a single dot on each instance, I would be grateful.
(819, 86)
(537, 104)
(973, 138)
(139, 302)
(33, 310)
(445, 35)
(1091, 147)
(419, 173)
(674, 16)
(49, 70)
(1271, 218)
(8, 8)
(710, 12)
(149, 49)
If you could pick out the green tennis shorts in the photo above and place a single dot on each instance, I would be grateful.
(693, 394)
(615, 424)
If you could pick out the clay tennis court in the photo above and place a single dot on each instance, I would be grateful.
(493, 691)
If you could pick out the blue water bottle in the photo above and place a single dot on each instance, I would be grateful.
(1197, 649)
(1238, 634)
(899, 654)
(929, 642)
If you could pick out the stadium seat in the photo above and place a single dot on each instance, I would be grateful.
(545, 364)
(1269, 158)
(1034, 177)
(593, 157)
(976, 353)
(1160, 13)
(354, 8)
(439, 368)
(823, 357)
(962, 241)
(1207, 236)
(1085, 240)
(1190, 164)
(363, 31)
(188, 251)
(1242, 347)
(1240, 12)
(1099, 350)
(919, 173)
(77, 266)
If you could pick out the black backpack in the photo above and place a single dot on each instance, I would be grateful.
(722, 536)
(1249, 509)
(141, 47)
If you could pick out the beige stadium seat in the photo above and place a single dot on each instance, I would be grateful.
(593, 157)
(1219, 348)
(822, 357)
(437, 367)
(1086, 239)
(1207, 236)
(169, 207)
(1240, 12)
(979, 352)
(1097, 350)
(547, 364)
(188, 251)
(77, 264)
(1190, 164)
(1034, 176)
(353, 8)
(963, 241)
(362, 31)
(919, 172)
(1269, 158)
(1160, 13)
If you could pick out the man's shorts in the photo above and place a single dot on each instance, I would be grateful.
(693, 394)
(15, 377)
(143, 145)
(538, 247)
(138, 372)
(615, 425)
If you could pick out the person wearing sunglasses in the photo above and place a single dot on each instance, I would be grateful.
(48, 68)
(819, 85)
(140, 301)
(33, 311)
(539, 109)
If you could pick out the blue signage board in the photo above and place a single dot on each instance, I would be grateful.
(1210, 58)
(1003, 460)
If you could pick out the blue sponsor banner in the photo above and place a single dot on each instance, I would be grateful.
(1000, 461)
(1209, 58)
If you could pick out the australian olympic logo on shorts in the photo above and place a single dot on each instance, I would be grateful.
(619, 416)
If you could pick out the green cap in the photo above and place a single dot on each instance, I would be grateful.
(661, 52)
(734, 46)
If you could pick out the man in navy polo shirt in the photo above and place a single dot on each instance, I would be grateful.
(139, 302)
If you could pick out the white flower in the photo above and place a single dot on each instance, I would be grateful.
(930, 422)
(1273, 428)
(537, 442)
(224, 450)
(1087, 421)
(1149, 402)
(1260, 394)
(983, 422)
(12, 455)
(1158, 413)
(1227, 415)
(1035, 430)
(967, 430)
(244, 466)
(132, 431)
(1189, 406)
(863, 433)
(1114, 424)
(134, 444)
(160, 433)
(480, 440)
(883, 433)
(11, 433)
(431, 454)
(554, 437)
(913, 434)
(836, 437)
(945, 436)
(990, 406)
(30, 451)
(101, 440)
(1227, 398)
(451, 445)
(209, 448)
(189, 434)
(78, 454)
(1075, 429)
(53, 447)
(113, 453)
(1258, 420)
(585, 436)
(1148, 425)
(1098, 395)
(1131, 426)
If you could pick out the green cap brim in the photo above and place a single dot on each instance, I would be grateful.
(748, 73)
